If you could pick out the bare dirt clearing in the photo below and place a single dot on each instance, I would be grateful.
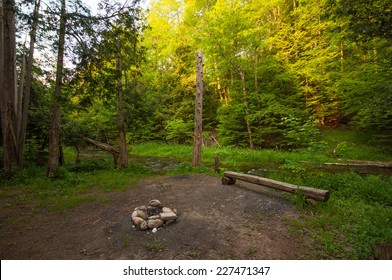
(214, 222)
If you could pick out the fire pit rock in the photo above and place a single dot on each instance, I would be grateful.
(154, 215)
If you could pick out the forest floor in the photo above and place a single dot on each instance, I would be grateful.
(214, 222)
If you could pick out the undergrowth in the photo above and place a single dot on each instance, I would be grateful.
(358, 213)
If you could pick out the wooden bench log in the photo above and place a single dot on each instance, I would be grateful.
(317, 194)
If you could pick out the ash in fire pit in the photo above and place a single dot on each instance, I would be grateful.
(154, 211)
(153, 216)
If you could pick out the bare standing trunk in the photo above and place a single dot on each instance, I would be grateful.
(19, 97)
(2, 92)
(54, 137)
(197, 140)
(7, 83)
(123, 156)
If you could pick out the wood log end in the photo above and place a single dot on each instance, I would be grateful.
(228, 181)
(326, 196)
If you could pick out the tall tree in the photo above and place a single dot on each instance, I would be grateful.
(22, 124)
(8, 84)
(123, 156)
(54, 137)
(113, 63)
(198, 131)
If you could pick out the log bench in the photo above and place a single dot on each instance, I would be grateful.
(229, 178)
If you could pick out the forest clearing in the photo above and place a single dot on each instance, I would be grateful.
(107, 108)
(56, 218)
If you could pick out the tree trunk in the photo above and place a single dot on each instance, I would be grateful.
(7, 83)
(54, 137)
(77, 160)
(29, 77)
(2, 94)
(197, 139)
(123, 156)
(18, 100)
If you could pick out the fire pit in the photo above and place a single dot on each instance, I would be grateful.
(154, 215)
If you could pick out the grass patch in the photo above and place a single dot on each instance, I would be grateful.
(187, 168)
(252, 250)
(358, 213)
(357, 145)
(349, 144)
(154, 246)
(70, 185)
(230, 156)
(65, 203)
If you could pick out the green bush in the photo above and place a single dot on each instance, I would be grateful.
(89, 166)
(179, 131)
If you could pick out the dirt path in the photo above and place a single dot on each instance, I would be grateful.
(215, 222)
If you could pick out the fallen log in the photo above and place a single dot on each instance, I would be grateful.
(105, 147)
(362, 163)
(317, 194)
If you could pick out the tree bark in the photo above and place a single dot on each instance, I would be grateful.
(54, 137)
(18, 99)
(198, 137)
(123, 156)
(29, 77)
(217, 164)
(7, 84)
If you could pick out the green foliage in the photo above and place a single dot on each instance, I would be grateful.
(154, 246)
(38, 123)
(357, 215)
(358, 145)
(275, 73)
(229, 155)
(179, 131)
(273, 70)
(187, 168)
(138, 169)
(368, 97)
(299, 134)
(293, 166)
(159, 149)
(89, 166)
(367, 19)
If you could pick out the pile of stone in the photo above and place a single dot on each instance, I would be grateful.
(153, 216)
